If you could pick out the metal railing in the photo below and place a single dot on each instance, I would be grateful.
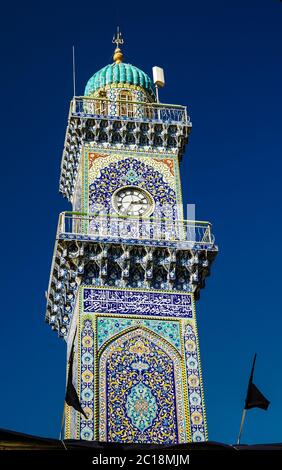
(135, 228)
(129, 109)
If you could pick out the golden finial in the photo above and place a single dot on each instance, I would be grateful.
(118, 39)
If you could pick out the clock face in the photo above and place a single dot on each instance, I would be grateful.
(133, 201)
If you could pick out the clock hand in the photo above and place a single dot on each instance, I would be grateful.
(133, 202)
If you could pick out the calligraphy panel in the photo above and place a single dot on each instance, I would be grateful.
(137, 302)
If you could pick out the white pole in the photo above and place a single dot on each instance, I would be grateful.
(157, 96)
(73, 70)
(157, 93)
(241, 426)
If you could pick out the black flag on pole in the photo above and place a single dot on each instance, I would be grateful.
(71, 395)
(254, 398)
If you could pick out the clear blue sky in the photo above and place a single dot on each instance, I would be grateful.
(223, 60)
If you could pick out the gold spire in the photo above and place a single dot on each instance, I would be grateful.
(118, 39)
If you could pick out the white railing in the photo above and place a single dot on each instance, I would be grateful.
(134, 228)
(129, 109)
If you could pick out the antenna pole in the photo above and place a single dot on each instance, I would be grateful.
(73, 70)
(157, 93)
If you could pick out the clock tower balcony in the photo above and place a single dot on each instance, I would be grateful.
(90, 248)
(137, 110)
(118, 124)
(114, 228)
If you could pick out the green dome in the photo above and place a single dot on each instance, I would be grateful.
(119, 73)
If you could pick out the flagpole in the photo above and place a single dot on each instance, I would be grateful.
(241, 426)
(62, 423)
(62, 427)
(244, 410)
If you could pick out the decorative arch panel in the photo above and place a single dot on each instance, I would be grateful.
(137, 367)
(141, 390)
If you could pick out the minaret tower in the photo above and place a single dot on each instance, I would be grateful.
(127, 268)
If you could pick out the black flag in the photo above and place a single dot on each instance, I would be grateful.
(71, 395)
(255, 398)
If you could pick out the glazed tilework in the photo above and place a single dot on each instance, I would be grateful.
(143, 370)
(125, 296)
(105, 171)
(137, 302)
(113, 93)
(165, 167)
(140, 391)
(133, 172)
(195, 389)
(122, 74)
(111, 326)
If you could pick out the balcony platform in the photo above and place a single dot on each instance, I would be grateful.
(110, 228)
(181, 252)
(151, 127)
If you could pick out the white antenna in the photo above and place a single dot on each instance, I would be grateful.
(159, 81)
(73, 70)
